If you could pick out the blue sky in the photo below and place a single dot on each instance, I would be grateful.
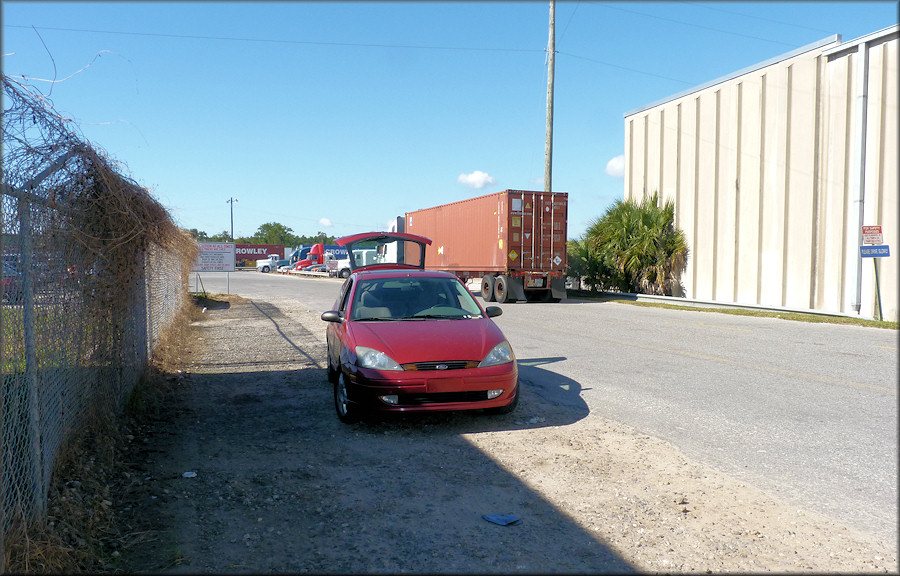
(339, 116)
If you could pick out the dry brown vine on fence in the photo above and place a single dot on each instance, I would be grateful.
(93, 233)
(103, 217)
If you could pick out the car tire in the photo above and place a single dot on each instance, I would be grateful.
(501, 289)
(347, 412)
(487, 288)
(509, 407)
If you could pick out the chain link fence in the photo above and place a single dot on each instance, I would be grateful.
(94, 270)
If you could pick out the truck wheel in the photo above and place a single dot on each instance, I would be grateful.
(265, 269)
(487, 288)
(345, 273)
(501, 288)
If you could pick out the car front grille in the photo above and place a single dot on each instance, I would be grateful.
(435, 366)
(442, 398)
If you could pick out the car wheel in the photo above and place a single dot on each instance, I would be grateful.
(347, 412)
(333, 374)
(487, 288)
(501, 288)
(509, 407)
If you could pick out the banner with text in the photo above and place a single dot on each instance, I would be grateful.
(215, 257)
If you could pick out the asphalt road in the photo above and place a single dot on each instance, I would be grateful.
(805, 411)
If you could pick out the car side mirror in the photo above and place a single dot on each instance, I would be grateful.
(332, 316)
(492, 311)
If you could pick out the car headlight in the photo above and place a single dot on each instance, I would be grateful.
(370, 358)
(501, 354)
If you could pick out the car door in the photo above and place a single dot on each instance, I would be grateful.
(336, 332)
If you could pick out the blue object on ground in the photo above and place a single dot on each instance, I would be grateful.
(502, 519)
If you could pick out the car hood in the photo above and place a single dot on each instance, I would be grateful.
(430, 340)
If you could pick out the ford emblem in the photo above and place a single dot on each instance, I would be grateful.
(441, 367)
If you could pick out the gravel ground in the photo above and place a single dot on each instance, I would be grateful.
(252, 472)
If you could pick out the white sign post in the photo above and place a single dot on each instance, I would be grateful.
(872, 236)
(216, 257)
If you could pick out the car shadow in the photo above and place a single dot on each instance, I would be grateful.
(274, 469)
(547, 399)
(276, 483)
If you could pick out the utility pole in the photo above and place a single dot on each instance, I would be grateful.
(232, 201)
(548, 145)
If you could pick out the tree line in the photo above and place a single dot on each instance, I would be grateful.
(268, 233)
(633, 247)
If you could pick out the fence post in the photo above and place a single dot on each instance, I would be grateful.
(38, 495)
(3, 465)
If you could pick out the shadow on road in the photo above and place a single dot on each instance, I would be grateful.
(281, 485)
(548, 399)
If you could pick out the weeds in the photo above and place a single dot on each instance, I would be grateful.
(87, 529)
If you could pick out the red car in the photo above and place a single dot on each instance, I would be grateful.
(405, 339)
(11, 282)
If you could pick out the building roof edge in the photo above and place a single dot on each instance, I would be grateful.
(809, 47)
(884, 33)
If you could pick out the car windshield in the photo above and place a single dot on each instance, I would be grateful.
(412, 298)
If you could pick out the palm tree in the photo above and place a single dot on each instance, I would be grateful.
(641, 244)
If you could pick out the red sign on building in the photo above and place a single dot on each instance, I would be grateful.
(248, 254)
(872, 235)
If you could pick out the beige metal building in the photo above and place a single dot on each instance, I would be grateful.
(775, 169)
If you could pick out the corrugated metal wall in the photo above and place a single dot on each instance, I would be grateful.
(774, 170)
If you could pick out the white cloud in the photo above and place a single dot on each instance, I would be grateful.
(476, 179)
(616, 167)
(325, 222)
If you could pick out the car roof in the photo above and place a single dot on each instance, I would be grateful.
(362, 236)
(402, 273)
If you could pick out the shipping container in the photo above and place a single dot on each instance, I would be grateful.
(513, 241)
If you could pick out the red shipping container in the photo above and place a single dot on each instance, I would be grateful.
(515, 234)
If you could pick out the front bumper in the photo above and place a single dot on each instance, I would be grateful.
(418, 391)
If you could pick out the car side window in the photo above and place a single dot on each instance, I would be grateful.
(345, 295)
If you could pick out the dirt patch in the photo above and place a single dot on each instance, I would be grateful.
(249, 470)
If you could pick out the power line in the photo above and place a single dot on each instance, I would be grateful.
(345, 44)
(691, 24)
(594, 60)
(275, 41)
(569, 21)
(742, 15)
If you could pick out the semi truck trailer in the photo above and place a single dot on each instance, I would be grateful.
(513, 241)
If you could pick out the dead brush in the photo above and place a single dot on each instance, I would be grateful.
(165, 371)
(39, 551)
(104, 232)
(84, 531)
(75, 536)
